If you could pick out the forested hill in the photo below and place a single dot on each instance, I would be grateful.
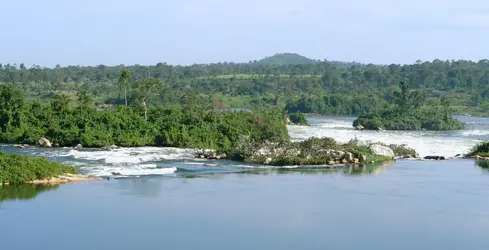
(320, 86)
(286, 59)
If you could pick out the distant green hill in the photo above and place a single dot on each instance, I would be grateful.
(286, 59)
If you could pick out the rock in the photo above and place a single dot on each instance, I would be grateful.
(363, 158)
(344, 161)
(407, 157)
(267, 161)
(79, 146)
(349, 157)
(111, 147)
(417, 156)
(287, 121)
(20, 145)
(45, 143)
(382, 150)
(356, 160)
(359, 127)
(56, 145)
(338, 155)
(331, 163)
(438, 158)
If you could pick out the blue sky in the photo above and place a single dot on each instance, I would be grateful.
(89, 32)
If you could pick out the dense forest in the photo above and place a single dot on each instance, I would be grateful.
(287, 80)
(194, 123)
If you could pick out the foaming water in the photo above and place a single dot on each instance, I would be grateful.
(445, 143)
(154, 161)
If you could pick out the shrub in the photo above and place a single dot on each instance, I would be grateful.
(20, 169)
(298, 118)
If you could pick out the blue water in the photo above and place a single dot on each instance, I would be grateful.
(406, 205)
(164, 198)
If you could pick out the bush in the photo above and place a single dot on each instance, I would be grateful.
(481, 149)
(20, 169)
(298, 118)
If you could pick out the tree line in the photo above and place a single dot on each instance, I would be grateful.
(334, 87)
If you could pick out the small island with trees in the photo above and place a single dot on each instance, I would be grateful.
(409, 112)
(192, 107)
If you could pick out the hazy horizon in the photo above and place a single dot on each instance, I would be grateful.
(189, 32)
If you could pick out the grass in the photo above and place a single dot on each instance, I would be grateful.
(16, 168)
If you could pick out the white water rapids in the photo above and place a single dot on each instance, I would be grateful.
(144, 161)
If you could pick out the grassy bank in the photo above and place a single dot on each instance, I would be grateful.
(16, 169)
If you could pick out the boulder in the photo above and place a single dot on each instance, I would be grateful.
(431, 157)
(349, 157)
(363, 158)
(338, 155)
(287, 121)
(359, 127)
(111, 147)
(79, 146)
(382, 150)
(267, 161)
(356, 160)
(331, 163)
(45, 143)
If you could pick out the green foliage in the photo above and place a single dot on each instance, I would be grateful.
(286, 59)
(196, 124)
(20, 169)
(304, 85)
(298, 118)
(408, 113)
(314, 151)
(371, 121)
(481, 149)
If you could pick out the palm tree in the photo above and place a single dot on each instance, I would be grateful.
(123, 82)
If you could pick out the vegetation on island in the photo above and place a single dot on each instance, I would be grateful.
(410, 112)
(197, 122)
(481, 149)
(298, 119)
(16, 169)
(314, 151)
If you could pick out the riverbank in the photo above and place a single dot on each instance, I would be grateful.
(62, 179)
(17, 169)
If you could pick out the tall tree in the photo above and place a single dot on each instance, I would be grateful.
(143, 90)
(123, 82)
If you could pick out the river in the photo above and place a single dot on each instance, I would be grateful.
(163, 198)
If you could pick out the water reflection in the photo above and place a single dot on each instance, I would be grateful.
(484, 164)
(352, 170)
(23, 192)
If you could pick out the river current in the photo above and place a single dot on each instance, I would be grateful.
(144, 161)
(163, 198)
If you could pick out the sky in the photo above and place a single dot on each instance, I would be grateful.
(113, 32)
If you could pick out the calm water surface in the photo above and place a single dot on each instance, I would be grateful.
(408, 205)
